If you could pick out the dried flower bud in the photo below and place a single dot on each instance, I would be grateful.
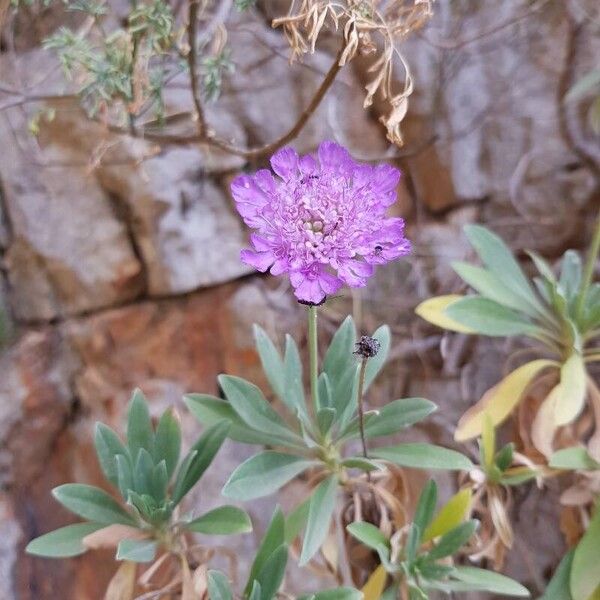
(367, 347)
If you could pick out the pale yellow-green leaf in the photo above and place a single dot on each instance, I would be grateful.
(571, 397)
(374, 588)
(452, 514)
(498, 402)
(432, 310)
(488, 440)
(543, 428)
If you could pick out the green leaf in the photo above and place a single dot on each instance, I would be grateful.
(490, 581)
(340, 593)
(423, 456)
(198, 459)
(504, 457)
(210, 410)
(325, 417)
(558, 588)
(426, 506)
(585, 574)
(64, 542)
(225, 520)
(142, 473)
(271, 575)
(271, 361)
(322, 504)
(293, 394)
(325, 393)
(573, 458)
(498, 258)
(397, 415)
(413, 541)
(489, 286)
(159, 482)
(92, 503)
(339, 357)
(487, 317)
(570, 275)
(368, 534)
(108, 445)
(167, 442)
(384, 336)
(141, 551)
(364, 464)
(250, 404)
(218, 586)
(271, 542)
(125, 474)
(452, 541)
(263, 474)
(140, 433)
(255, 591)
(296, 521)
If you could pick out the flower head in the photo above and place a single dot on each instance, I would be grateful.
(321, 220)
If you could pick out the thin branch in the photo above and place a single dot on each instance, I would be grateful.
(192, 28)
(457, 44)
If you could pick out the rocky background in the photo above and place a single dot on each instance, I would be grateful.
(120, 260)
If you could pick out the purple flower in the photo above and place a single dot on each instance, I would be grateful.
(320, 220)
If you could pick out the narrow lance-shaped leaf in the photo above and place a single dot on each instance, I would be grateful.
(322, 505)
(64, 542)
(489, 286)
(92, 503)
(210, 410)
(167, 443)
(585, 574)
(198, 460)
(273, 539)
(108, 446)
(264, 474)
(271, 361)
(250, 404)
(498, 258)
(368, 534)
(140, 433)
(218, 586)
(426, 506)
(423, 456)
(224, 520)
(141, 551)
(487, 317)
(490, 581)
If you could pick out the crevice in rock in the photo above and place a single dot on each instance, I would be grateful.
(123, 213)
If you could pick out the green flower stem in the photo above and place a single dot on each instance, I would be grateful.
(361, 408)
(313, 349)
(588, 272)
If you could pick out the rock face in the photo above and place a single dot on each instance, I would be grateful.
(120, 258)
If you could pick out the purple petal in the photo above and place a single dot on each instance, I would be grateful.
(261, 261)
(285, 163)
(354, 273)
(335, 157)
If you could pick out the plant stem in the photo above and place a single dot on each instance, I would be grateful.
(361, 408)
(313, 350)
(588, 272)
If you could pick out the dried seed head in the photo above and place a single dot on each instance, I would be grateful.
(367, 347)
